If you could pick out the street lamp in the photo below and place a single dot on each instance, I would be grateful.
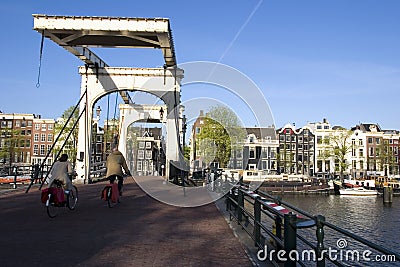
(98, 110)
(161, 114)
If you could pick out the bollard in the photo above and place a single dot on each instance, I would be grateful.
(257, 221)
(290, 232)
(15, 176)
(320, 240)
(387, 194)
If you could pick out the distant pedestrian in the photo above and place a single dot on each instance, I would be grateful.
(116, 164)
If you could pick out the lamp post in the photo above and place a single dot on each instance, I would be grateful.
(160, 167)
(184, 126)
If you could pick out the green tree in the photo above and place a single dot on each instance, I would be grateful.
(10, 148)
(220, 134)
(385, 158)
(70, 147)
(340, 145)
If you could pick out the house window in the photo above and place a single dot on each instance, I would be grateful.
(35, 149)
(140, 154)
(42, 149)
(37, 126)
(264, 165)
(139, 166)
(17, 124)
(377, 140)
(252, 166)
(369, 140)
(50, 138)
(148, 154)
(43, 137)
(252, 153)
(28, 143)
(36, 138)
(50, 126)
(44, 127)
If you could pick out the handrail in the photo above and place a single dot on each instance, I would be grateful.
(253, 210)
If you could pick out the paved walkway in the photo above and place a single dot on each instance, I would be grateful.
(140, 231)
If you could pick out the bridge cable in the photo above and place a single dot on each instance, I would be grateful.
(40, 60)
(108, 112)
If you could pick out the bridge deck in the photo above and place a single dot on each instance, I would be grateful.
(138, 232)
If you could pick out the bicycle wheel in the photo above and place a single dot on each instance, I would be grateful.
(109, 198)
(50, 208)
(72, 198)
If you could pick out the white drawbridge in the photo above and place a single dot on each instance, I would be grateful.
(76, 34)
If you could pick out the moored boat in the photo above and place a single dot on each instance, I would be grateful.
(358, 191)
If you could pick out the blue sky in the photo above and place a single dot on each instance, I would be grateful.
(338, 60)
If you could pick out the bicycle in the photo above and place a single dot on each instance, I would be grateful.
(111, 194)
(71, 199)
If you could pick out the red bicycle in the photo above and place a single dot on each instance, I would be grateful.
(53, 202)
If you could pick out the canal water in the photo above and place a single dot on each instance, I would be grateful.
(367, 217)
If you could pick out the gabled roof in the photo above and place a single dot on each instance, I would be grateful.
(367, 127)
(261, 132)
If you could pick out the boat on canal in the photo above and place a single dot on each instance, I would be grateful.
(357, 191)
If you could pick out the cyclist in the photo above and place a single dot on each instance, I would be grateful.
(115, 163)
(62, 171)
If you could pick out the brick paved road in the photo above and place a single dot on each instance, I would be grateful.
(138, 232)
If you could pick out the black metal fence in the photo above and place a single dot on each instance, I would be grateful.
(17, 174)
(286, 235)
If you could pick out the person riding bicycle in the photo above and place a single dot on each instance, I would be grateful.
(115, 163)
(62, 171)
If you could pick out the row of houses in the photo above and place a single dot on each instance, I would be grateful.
(315, 150)
(25, 138)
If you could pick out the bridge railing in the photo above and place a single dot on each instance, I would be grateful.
(287, 235)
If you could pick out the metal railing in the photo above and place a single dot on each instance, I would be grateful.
(17, 174)
(293, 236)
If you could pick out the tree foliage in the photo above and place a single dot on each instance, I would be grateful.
(11, 144)
(70, 144)
(220, 134)
(340, 146)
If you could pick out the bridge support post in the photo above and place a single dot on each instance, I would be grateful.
(278, 229)
(290, 232)
(320, 240)
(240, 206)
(257, 222)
